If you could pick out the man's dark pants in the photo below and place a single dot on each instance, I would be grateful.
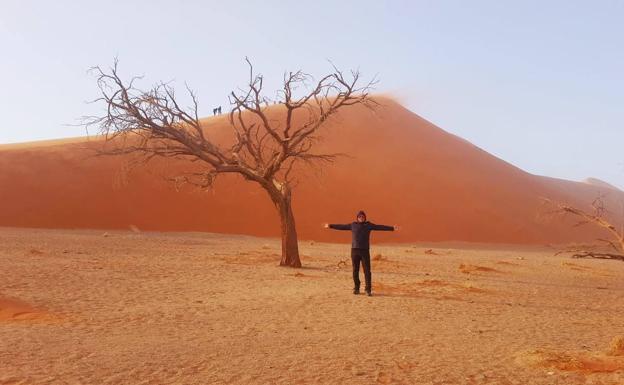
(362, 255)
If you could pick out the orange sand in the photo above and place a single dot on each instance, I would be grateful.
(401, 169)
(14, 310)
(183, 308)
(574, 361)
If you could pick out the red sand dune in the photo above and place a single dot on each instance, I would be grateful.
(402, 170)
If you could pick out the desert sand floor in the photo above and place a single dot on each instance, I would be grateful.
(88, 307)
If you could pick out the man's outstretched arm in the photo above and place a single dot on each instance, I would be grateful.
(338, 227)
(382, 227)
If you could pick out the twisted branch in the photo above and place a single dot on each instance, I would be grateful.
(597, 218)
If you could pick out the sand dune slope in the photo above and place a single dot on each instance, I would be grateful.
(401, 169)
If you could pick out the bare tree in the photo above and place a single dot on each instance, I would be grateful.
(152, 123)
(613, 245)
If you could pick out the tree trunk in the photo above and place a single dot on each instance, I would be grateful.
(290, 246)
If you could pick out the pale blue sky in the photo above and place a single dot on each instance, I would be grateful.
(537, 83)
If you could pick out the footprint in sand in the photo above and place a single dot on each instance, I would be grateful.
(474, 269)
(15, 310)
(507, 263)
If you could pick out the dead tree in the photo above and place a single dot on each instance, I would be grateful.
(615, 241)
(152, 123)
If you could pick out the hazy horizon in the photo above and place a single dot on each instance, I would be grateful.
(537, 85)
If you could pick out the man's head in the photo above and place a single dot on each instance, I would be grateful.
(361, 216)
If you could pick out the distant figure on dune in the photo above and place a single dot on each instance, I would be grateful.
(216, 111)
(360, 247)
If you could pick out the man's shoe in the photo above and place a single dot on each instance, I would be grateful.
(356, 291)
(368, 293)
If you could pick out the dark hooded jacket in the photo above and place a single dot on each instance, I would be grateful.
(360, 232)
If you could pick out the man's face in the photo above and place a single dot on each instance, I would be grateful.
(361, 218)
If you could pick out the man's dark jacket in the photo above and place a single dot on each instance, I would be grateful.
(360, 232)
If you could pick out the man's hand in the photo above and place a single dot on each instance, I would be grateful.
(326, 225)
(397, 227)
